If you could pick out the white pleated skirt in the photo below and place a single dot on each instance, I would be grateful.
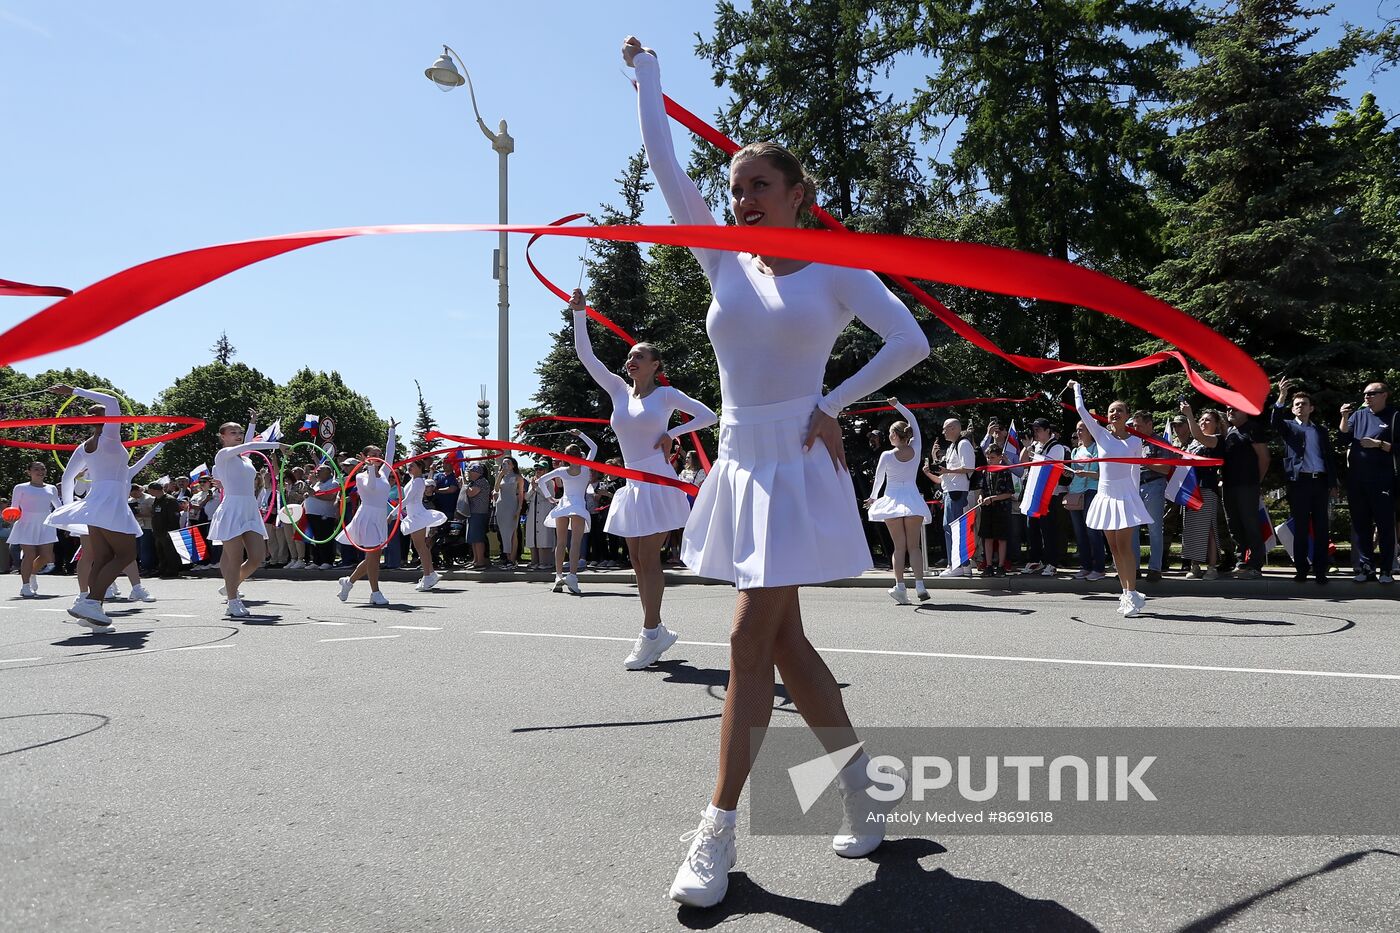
(369, 529)
(420, 519)
(236, 516)
(900, 500)
(771, 514)
(106, 506)
(568, 507)
(639, 509)
(1116, 507)
(37, 532)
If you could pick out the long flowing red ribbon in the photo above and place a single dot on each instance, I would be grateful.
(965, 330)
(624, 472)
(566, 419)
(191, 426)
(107, 304)
(607, 322)
(25, 290)
(951, 403)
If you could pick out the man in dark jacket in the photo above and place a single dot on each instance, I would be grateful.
(1311, 468)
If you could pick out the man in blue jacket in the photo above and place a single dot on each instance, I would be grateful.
(1311, 468)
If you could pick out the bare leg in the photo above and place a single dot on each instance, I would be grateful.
(1120, 542)
(112, 551)
(576, 527)
(561, 544)
(371, 565)
(231, 566)
(425, 551)
(645, 553)
(84, 564)
(912, 527)
(897, 552)
(254, 549)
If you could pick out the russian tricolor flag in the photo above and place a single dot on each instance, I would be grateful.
(1285, 535)
(1266, 527)
(197, 472)
(189, 542)
(455, 461)
(1040, 491)
(272, 433)
(1013, 442)
(964, 540)
(310, 423)
(1183, 489)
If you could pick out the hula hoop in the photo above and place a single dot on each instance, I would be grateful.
(53, 429)
(282, 488)
(398, 512)
(192, 425)
(272, 500)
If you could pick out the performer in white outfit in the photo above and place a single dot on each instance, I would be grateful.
(35, 500)
(643, 513)
(902, 507)
(67, 490)
(569, 513)
(417, 519)
(1117, 508)
(237, 523)
(369, 529)
(778, 510)
(111, 527)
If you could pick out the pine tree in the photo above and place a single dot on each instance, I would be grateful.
(223, 349)
(1267, 242)
(425, 423)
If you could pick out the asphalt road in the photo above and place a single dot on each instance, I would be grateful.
(330, 766)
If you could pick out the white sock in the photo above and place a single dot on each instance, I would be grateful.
(651, 632)
(854, 775)
(898, 585)
(727, 818)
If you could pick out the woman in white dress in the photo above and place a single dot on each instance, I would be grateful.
(643, 513)
(67, 491)
(569, 513)
(539, 533)
(778, 509)
(237, 522)
(35, 500)
(111, 527)
(1117, 508)
(417, 520)
(368, 531)
(902, 507)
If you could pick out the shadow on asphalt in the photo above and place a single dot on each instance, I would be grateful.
(101, 722)
(902, 896)
(117, 641)
(962, 607)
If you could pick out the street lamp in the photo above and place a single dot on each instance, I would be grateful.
(445, 74)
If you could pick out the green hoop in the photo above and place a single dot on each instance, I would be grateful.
(282, 492)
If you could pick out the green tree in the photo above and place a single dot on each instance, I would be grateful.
(1268, 241)
(218, 393)
(223, 349)
(357, 425)
(1051, 96)
(425, 423)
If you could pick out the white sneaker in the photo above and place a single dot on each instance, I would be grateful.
(223, 591)
(703, 878)
(429, 581)
(558, 583)
(1095, 576)
(860, 807)
(1360, 576)
(113, 592)
(954, 572)
(571, 581)
(647, 651)
(1032, 567)
(47, 568)
(324, 567)
(899, 594)
(27, 591)
(1048, 571)
(379, 599)
(345, 585)
(89, 614)
(1137, 599)
(921, 591)
(236, 609)
(140, 594)
(294, 565)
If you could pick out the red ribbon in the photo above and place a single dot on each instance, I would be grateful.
(24, 290)
(193, 425)
(567, 419)
(952, 403)
(625, 472)
(107, 304)
(1028, 363)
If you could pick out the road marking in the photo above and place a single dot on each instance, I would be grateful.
(173, 615)
(17, 660)
(362, 638)
(41, 609)
(11, 608)
(202, 647)
(997, 657)
(418, 628)
(323, 622)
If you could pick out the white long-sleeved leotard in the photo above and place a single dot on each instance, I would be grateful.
(773, 335)
(639, 422)
(890, 469)
(573, 500)
(1115, 479)
(109, 468)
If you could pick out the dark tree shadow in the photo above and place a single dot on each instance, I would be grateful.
(901, 896)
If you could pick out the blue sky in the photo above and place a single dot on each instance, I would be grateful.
(130, 135)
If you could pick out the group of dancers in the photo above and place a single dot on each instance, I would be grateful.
(776, 512)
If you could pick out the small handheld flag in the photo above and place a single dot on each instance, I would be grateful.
(311, 423)
(271, 434)
(199, 471)
(1266, 527)
(1013, 442)
(189, 543)
(964, 539)
(1040, 490)
(1183, 489)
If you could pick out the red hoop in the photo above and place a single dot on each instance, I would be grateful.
(398, 511)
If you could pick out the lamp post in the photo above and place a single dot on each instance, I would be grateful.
(445, 74)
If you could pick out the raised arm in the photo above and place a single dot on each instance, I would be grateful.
(865, 296)
(110, 406)
(542, 484)
(247, 447)
(684, 200)
(135, 469)
(1102, 435)
(701, 417)
(588, 442)
(609, 381)
(917, 441)
(385, 469)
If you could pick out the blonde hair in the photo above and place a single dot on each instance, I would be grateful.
(902, 430)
